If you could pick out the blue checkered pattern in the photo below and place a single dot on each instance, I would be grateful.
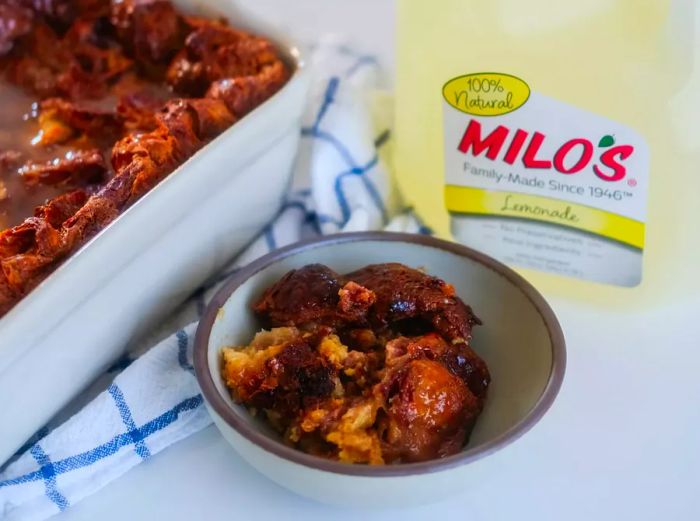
(48, 471)
(48, 474)
(149, 399)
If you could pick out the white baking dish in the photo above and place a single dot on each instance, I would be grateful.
(80, 319)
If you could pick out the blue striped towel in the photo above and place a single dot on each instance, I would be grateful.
(150, 399)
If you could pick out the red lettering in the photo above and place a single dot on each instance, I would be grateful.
(530, 158)
(493, 142)
(610, 159)
(515, 146)
(586, 155)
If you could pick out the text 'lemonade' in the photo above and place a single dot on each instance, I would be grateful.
(556, 136)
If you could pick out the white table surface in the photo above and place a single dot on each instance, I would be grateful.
(622, 441)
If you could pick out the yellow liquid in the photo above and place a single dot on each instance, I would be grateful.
(631, 61)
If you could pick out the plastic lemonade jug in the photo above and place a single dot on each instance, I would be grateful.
(560, 137)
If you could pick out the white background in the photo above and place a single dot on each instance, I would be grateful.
(621, 442)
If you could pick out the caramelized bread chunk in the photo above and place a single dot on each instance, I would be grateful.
(370, 367)
(107, 76)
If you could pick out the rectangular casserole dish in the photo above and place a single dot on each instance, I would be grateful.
(81, 318)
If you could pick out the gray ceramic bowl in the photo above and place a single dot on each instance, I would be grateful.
(520, 340)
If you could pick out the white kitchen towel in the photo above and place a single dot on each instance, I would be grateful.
(150, 399)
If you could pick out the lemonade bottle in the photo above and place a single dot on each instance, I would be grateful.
(562, 138)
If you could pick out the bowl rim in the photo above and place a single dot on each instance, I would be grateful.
(219, 405)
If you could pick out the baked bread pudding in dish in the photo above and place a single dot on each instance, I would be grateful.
(373, 367)
(99, 101)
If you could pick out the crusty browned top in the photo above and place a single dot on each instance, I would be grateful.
(406, 293)
(380, 371)
(312, 294)
(126, 91)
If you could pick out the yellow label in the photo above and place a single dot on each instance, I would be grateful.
(486, 93)
(478, 201)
